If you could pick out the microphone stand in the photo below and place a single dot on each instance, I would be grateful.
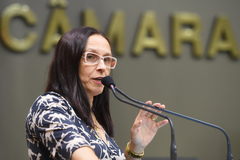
(229, 153)
(173, 148)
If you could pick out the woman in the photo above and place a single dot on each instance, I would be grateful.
(72, 119)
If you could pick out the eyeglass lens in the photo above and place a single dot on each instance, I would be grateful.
(94, 58)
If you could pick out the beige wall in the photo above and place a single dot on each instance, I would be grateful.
(207, 89)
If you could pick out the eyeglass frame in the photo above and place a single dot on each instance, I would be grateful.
(101, 58)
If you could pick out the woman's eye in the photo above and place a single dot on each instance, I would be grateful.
(89, 57)
(107, 59)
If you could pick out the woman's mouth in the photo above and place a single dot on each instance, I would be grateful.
(97, 80)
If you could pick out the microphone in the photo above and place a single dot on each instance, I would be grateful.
(108, 82)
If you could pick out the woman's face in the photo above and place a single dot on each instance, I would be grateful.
(91, 75)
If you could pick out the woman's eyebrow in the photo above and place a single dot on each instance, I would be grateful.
(95, 51)
(108, 54)
(90, 50)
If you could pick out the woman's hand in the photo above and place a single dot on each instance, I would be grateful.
(145, 128)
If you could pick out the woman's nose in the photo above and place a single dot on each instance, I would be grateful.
(101, 65)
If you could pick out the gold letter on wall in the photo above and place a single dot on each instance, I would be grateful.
(58, 20)
(116, 32)
(223, 39)
(149, 36)
(12, 11)
(90, 19)
(186, 28)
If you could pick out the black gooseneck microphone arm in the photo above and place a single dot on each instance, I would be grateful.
(173, 147)
(229, 153)
(107, 81)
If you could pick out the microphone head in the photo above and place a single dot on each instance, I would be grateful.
(108, 81)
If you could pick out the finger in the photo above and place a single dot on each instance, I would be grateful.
(162, 106)
(145, 113)
(148, 114)
(154, 117)
(159, 105)
(162, 123)
(157, 110)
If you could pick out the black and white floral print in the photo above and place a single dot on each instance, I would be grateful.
(53, 131)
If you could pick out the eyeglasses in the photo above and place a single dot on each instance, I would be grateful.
(94, 58)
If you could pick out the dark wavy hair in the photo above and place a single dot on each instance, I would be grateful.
(64, 78)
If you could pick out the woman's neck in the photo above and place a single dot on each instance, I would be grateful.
(90, 98)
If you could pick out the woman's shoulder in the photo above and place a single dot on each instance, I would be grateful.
(50, 100)
(51, 96)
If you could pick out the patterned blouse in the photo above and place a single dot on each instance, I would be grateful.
(53, 131)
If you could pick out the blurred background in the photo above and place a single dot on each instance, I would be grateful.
(182, 53)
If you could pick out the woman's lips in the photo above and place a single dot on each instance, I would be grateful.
(97, 80)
